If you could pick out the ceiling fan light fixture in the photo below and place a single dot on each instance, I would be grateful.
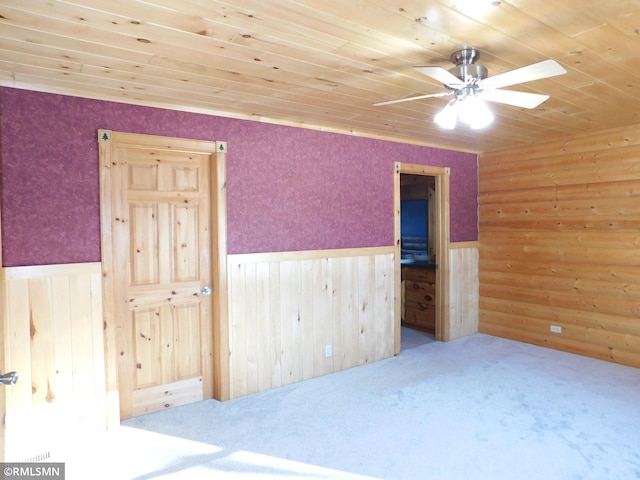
(447, 117)
(475, 113)
(470, 110)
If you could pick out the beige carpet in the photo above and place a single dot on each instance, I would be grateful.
(478, 408)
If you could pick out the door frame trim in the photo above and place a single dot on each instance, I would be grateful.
(443, 316)
(218, 250)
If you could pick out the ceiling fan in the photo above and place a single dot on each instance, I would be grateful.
(470, 85)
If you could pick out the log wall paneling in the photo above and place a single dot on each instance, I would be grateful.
(286, 308)
(54, 340)
(559, 244)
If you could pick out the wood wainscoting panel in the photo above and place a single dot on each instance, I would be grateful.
(559, 244)
(463, 289)
(299, 315)
(54, 340)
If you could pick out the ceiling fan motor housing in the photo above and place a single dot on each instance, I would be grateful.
(465, 67)
(469, 73)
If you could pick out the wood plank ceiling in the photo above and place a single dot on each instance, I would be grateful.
(323, 63)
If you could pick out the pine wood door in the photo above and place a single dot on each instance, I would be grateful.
(160, 205)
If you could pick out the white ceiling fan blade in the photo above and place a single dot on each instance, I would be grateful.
(537, 71)
(419, 97)
(442, 75)
(509, 97)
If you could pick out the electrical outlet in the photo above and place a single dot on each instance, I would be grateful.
(555, 329)
(328, 351)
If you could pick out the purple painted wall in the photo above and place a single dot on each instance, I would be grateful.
(288, 188)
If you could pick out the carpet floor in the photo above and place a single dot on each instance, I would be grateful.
(476, 408)
(411, 338)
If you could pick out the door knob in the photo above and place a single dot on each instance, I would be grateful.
(8, 378)
(206, 290)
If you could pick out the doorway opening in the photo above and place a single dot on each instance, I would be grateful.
(418, 244)
(421, 239)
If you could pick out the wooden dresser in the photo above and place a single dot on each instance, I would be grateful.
(419, 298)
